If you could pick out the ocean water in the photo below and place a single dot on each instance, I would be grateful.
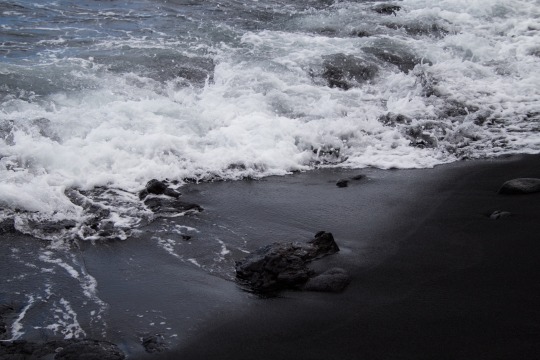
(99, 97)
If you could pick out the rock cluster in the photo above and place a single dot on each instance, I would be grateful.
(281, 266)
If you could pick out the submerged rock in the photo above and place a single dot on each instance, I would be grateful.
(170, 205)
(154, 343)
(395, 53)
(7, 226)
(282, 266)
(346, 71)
(342, 183)
(333, 280)
(6, 311)
(90, 350)
(392, 119)
(386, 9)
(72, 349)
(520, 186)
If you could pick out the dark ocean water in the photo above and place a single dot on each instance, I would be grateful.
(99, 97)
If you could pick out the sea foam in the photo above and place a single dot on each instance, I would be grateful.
(119, 112)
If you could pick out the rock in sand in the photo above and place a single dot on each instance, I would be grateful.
(520, 186)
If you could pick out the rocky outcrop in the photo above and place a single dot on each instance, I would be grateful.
(73, 349)
(282, 266)
(346, 71)
(520, 186)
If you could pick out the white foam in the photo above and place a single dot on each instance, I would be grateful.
(17, 326)
(265, 115)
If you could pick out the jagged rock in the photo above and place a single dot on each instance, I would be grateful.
(72, 349)
(342, 183)
(520, 186)
(333, 280)
(346, 71)
(283, 265)
(323, 244)
(497, 214)
(168, 205)
(386, 9)
(154, 343)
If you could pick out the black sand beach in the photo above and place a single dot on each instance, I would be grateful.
(433, 276)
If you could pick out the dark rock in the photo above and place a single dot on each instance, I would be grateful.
(497, 214)
(72, 349)
(143, 194)
(167, 205)
(520, 186)
(185, 237)
(394, 53)
(90, 350)
(324, 244)
(283, 265)
(386, 9)
(342, 183)
(172, 193)
(7, 226)
(155, 187)
(346, 71)
(359, 33)
(333, 280)
(6, 311)
(154, 343)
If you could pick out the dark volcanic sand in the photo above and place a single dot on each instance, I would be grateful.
(433, 277)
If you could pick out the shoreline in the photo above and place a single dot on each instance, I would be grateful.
(432, 274)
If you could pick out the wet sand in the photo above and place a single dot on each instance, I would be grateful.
(432, 275)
